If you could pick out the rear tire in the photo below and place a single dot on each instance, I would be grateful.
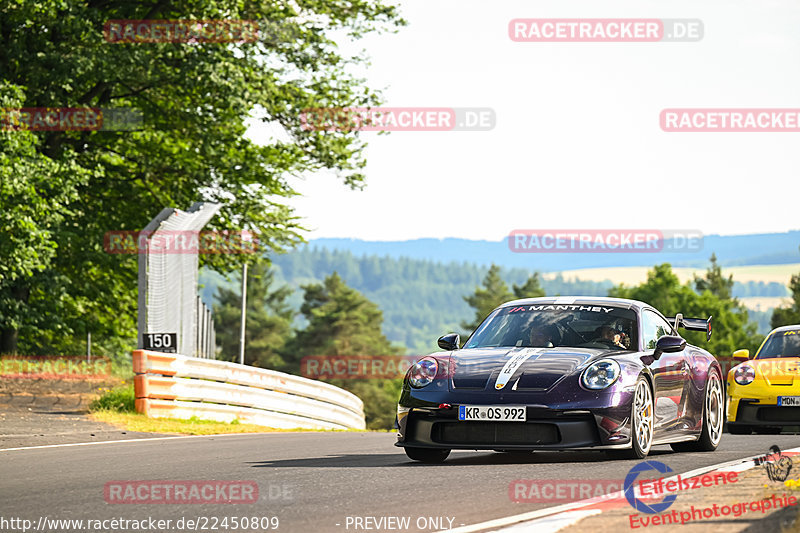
(738, 429)
(711, 434)
(427, 455)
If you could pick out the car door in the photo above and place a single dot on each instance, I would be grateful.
(669, 375)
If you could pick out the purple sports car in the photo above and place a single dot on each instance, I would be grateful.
(565, 373)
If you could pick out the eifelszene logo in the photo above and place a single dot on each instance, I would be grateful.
(629, 486)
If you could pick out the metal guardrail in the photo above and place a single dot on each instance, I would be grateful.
(176, 386)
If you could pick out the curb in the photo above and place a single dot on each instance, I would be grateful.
(553, 519)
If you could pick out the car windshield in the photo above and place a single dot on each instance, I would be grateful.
(548, 326)
(781, 344)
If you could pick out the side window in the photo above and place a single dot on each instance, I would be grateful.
(653, 327)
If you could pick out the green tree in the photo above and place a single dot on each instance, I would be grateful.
(714, 281)
(789, 315)
(663, 290)
(269, 320)
(341, 321)
(532, 288)
(35, 197)
(196, 100)
(493, 292)
(416, 296)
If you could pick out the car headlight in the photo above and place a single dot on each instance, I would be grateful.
(422, 372)
(744, 375)
(601, 374)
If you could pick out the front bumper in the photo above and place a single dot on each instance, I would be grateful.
(757, 405)
(429, 427)
(760, 412)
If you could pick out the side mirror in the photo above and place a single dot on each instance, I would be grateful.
(669, 344)
(449, 342)
(741, 355)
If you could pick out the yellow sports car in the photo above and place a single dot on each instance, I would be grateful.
(764, 392)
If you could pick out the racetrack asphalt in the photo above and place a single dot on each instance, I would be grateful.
(44, 417)
(314, 481)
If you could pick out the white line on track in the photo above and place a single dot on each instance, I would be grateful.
(569, 511)
(126, 440)
(552, 524)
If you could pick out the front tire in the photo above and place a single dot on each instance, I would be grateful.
(427, 455)
(641, 422)
(711, 434)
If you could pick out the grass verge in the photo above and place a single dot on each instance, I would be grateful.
(140, 423)
(120, 399)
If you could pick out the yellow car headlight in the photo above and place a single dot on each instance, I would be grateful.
(744, 375)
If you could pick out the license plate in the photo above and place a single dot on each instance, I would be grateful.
(789, 401)
(492, 413)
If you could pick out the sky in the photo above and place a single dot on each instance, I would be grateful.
(577, 142)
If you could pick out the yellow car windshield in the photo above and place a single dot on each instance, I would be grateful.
(781, 344)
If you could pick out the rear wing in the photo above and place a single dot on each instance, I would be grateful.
(692, 324)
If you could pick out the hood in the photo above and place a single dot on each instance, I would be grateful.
(510, 368)
(778, 370)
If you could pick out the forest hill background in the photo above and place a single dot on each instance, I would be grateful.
(421, 300)
(315, 302)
